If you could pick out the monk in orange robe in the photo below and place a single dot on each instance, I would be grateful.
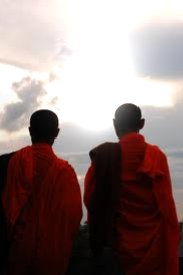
(42, 204)
(128, 195)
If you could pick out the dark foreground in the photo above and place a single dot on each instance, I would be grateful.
(83, 263)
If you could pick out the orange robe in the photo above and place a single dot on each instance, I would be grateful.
(42, 205)
(146, 226)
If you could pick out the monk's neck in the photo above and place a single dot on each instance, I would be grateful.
(42, 142)
(121, 135)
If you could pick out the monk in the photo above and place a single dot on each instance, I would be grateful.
(41, 202)
(128, 195)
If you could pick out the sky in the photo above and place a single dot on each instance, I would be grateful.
(82, 59)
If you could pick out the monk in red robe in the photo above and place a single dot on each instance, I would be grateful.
(42, 204)
(128, 195)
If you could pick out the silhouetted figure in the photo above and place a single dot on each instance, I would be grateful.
(4, 244)
(129, 199)
(41, 202)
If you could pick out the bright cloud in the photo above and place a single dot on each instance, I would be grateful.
(32, 33)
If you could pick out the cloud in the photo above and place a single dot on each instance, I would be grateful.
(13, 143)
(164, 125)
(54, 100)
(157, 50)
(16, 115)
(32, 34)
(79, 160)
(176, 153)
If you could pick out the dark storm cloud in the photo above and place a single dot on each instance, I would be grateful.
(157, 50)
(16, 115)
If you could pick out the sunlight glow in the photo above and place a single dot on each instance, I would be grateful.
(9, 74)
(99, 76)
(94, 110)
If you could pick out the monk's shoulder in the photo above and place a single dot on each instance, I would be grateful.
(65, 167)
(156, 151)
(5, 158)
(104, 149)
(4, 161)
(105, 146)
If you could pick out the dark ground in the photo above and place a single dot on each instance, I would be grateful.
(83, 263)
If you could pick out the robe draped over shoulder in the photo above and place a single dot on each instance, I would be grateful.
(42, 205)
(106, 159)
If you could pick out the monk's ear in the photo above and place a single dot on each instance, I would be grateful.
(142, 123)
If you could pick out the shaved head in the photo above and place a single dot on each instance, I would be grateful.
(128, 118)
(43, 126)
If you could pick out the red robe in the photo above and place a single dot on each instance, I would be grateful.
(146, 226)
(42, 204)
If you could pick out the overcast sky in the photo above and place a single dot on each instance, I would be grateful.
(83, 58)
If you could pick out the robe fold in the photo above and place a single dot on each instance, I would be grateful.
(42, 205)
(105, 196)
(146, 225)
